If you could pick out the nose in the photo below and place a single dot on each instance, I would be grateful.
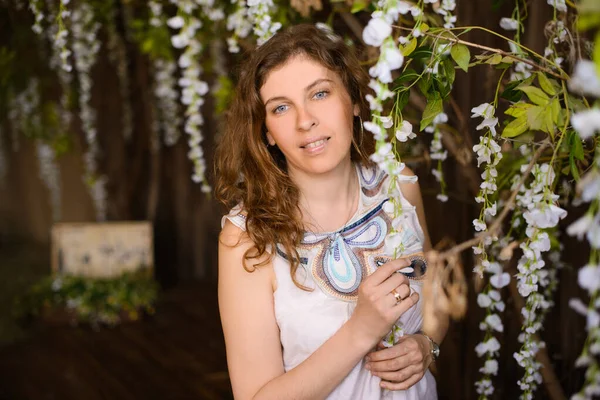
(306, 120)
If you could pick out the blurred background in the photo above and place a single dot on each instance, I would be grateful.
(156, 334)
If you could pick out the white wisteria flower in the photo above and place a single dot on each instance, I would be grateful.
(376, 31)
(560, 5)
(585, 79)
(580, 227)
(490, 367)
(405, 132)
(176, 22)
(586, 122)
(589, 278)
(486, 111)
(509, 24)
(390, 59)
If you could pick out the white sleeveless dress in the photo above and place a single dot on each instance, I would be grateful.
(333, 265)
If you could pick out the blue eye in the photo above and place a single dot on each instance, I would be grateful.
(279, 109)
(321, 95)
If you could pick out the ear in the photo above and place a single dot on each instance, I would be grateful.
(356, 110)
(270, 139)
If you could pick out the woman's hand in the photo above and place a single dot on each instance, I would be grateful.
(377, 308)
(402, 365)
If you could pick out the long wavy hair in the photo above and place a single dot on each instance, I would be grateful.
(250, 173)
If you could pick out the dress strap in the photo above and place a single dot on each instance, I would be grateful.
(236, 216)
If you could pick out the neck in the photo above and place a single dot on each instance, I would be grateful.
(328, 200)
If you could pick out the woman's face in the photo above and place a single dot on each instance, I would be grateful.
(309, 116)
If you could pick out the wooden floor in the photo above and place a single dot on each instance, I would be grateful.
(177, 354)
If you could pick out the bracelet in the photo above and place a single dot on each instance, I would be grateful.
(435, 348)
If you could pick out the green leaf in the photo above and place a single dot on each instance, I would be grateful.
(518, 110)
(537, 96)
(577, 147)
(402, 99)
(546, 84)
(535, 117)
(540, 119)
(449, 71)
(574, 169)
(511, 93)
(555, 110)
(461, 54)
(358, 5)
(409, 47)
(406, 76)
(421, 52)
(424, 84)
(526, 82)
(515, 127)
(434, 107)
(495, 59)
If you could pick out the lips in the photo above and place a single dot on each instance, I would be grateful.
(313, 143)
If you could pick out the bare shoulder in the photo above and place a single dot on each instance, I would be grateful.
(410, 190)
(246, 306)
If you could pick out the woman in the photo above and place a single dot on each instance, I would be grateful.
(305, 292)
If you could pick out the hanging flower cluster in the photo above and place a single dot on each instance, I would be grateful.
(36, 8)
(23, 112)
(240, 24)
(117, 53)
(62, 35)
(259, 13)
(378, 33)
(85, 48)
(50, 175)
(446, 9)
(437, 152)
(193, 89)
(489, 154)
(166, 96)
(65, 75)
(540, 214)
(490, 299)
(586, 81)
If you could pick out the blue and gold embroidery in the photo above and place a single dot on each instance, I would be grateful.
(339, 261)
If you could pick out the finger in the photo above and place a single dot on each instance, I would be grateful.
(398, 376)
(402, 385)
(407, 303)
(394, 282)
(388, 353)
(386, 270)
(392, 365)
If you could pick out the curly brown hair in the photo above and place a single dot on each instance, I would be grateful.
(250, 172)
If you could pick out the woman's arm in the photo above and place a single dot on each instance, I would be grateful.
(254, 353)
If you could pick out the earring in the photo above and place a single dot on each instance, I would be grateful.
(362, 132)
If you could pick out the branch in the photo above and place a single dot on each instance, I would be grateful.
(354, 24)
(498, 221)
(492, 49)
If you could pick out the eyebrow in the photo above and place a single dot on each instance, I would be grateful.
(306, 89)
